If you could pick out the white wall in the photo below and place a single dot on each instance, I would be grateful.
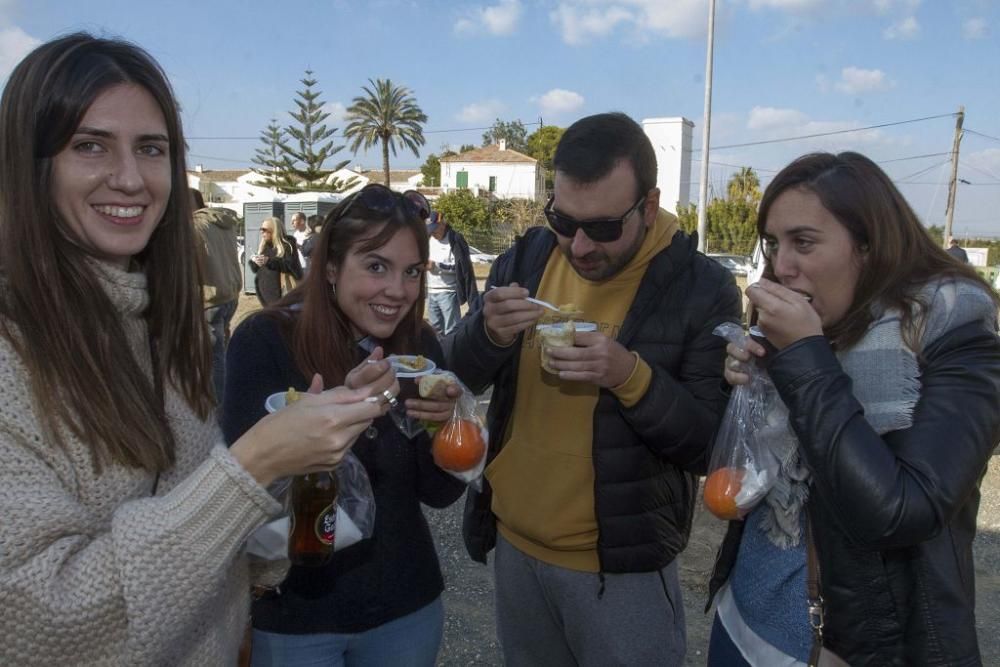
(514, 180)
(671, 139)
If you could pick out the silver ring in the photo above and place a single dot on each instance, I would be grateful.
(389, 398)
(735, 365)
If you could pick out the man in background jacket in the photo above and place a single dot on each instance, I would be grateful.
(222, 278)
(451, 280)
(590, 485)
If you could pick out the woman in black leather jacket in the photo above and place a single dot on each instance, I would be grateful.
(887, 358)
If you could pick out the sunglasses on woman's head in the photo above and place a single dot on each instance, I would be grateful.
(603, 230)
(380, 199)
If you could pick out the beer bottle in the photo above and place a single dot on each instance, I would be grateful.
(313, 502)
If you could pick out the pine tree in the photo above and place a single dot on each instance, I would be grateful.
(271, 161)
(309, 145)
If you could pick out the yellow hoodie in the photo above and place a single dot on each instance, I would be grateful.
(543, 478)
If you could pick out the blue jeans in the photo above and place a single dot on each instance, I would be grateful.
(443, 311)
(722, 652)
(410, 641)
(218, 318)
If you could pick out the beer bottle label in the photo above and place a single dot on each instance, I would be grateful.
(326, 524)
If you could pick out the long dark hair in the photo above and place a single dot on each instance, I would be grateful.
(56, 314)
(899, 253)
(319, 332)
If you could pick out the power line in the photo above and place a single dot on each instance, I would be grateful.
(827, 134)
(922, 171)
(980, 134)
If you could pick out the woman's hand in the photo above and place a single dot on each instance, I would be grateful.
(735, 370)
(310, 435)
(373, 375)
(260, 260)
(784, 315)
(438, 407)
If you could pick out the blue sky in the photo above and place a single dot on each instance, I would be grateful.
(783, 68)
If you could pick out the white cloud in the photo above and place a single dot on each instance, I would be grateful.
(559, 101)
(14, 45)
(498, 19)
(976, 28)
(907, 28)
(580, 21)
(765, 118)
(336, 110)
(480, 112)
(854, 81)
(786, 5)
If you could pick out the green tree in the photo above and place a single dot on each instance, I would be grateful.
(271, 161)
(310, 145)
(464, 210)
(519, 214)
(431, 170)
(744, 185)
(542, 146)
(513, 132)
(731, 222)
(385, 114)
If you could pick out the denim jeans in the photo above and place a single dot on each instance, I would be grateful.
(410, 641)
(443, 311)
(722, 652)
(218, 318)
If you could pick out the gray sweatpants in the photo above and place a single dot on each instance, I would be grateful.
(551, 616)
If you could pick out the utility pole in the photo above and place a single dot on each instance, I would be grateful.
(953, 181)
(706, 133)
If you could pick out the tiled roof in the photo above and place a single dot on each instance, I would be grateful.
(218, 175)
(490, 154)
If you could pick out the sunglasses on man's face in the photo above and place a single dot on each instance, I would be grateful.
(380, 199)
(599, 231)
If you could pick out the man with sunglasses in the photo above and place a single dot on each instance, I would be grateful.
(590, 487)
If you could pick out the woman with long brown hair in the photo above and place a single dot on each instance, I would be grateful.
(377, 602)
(885, 352)
(124, 514)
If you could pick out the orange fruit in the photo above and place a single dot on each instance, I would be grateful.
(458, 445)
(720, 492)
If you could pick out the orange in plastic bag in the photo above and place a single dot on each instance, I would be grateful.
(458, 445)
(721, 489)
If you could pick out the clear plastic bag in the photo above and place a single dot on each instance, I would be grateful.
(355, 507)
(742, 468)
(460, 444)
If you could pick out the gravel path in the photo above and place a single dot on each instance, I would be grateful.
(469, 633)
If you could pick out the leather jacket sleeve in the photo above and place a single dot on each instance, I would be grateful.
(902, 488)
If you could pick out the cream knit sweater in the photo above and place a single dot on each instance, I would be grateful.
(94, 571)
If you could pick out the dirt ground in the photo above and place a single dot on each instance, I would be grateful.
(469, 630)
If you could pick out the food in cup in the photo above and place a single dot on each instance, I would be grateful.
(434, 385)
(409, 368)
(559, 334)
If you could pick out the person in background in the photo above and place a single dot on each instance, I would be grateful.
(377, 602)
(451, 280)
(887, 357)
(124, 514)
(589, 488)
(276, 261)
(222, 278)
(957, 251)
(314, 223)
(300, 232)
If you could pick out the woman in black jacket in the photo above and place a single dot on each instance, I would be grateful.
(277, 259)
(887, 357)
(378, 601)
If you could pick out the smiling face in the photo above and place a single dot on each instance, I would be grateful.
(376, 289)
(111, 182)
(813, 253)
(609, 197)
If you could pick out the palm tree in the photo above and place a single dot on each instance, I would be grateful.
(744, 185)
(386, 113)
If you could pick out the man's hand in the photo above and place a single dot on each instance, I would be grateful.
(508, 314)
(594, 358)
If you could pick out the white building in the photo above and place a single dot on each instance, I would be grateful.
(504, 173)
(671, 139)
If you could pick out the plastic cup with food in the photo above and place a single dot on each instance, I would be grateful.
(559, 334)
(409, 368)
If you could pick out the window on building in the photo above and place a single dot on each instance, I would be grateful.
(462, 179)
(493, 183)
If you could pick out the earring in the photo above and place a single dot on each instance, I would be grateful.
(333, 288)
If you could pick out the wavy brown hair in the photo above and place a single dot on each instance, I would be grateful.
(318, 331)
(55, 313)
(899, 254)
